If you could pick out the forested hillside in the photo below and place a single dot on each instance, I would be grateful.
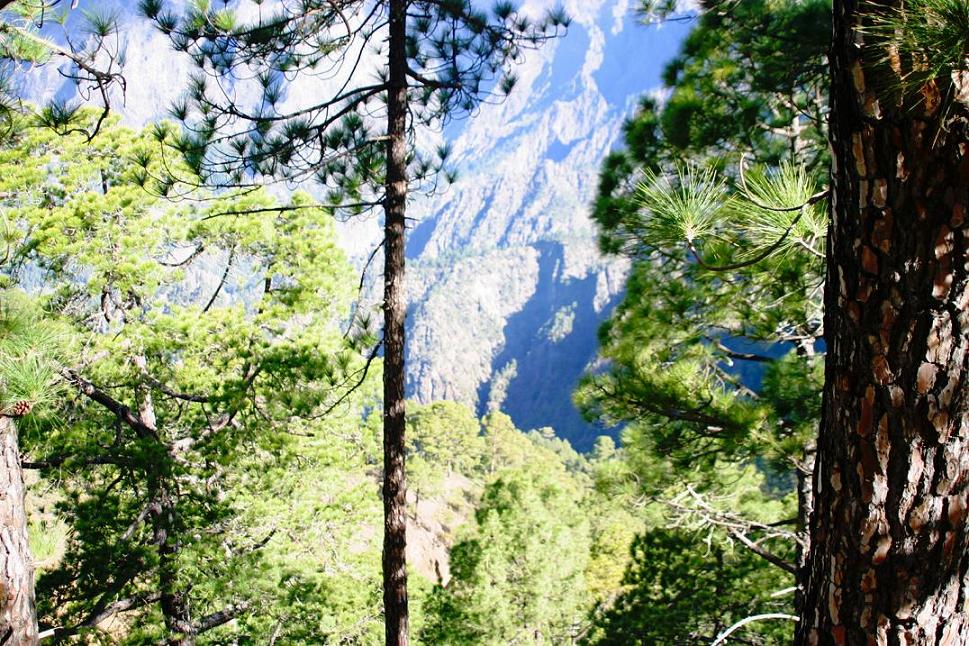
(210, 323)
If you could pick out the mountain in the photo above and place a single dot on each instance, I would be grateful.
(506, 285)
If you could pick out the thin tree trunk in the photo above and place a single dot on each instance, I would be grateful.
(395, 486)
(889, 560)
(18, 615)
(805, 502)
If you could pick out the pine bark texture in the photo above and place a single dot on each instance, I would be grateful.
(18, 615)
(889, 561)
(395, 307)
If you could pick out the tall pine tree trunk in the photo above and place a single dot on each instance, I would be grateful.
(889, 560)
(395, 206)
(18, 616)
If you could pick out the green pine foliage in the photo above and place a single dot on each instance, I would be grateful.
(924, 41)
(728, 269)
(443, 437)
(205, 388)
(458, 54)
(682, 589)
(276, 515)
(220, 379)
(687, 578)
(519, 576)
(35, 33)
(31, 346)
(711, 361)
(271, 518)
(750, 78)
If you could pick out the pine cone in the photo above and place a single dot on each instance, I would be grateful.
(18, 409)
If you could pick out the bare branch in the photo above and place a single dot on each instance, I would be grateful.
(103, 611)
(192, 256)
(359, 382)
(742, 356)
(225, 276)
(747, 620)
(363, 279)
(736, 526)
(768, 556)
(59, 460)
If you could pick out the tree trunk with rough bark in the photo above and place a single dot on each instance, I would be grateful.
(18, 615)
(889, 561)
(395, 206)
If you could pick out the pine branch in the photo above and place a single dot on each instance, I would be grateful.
(104, 609)
(104, 613)
(219, 618)
(56, 461)
(99, 396)
(737, 527)
(433, 83)
(668, 407)
(768, 556)
(748, 194)
(363, 279)
(222, 281)
(742, 356)
(192, 256)
(100, 78)
(763, 255)
(363, 376)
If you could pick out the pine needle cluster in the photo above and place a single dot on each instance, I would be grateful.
(29, 347)
(769, 214)
(921, 40)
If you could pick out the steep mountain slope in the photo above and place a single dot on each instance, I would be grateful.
(507, 286)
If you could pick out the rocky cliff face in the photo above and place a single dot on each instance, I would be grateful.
(508, 287)
(506, 284)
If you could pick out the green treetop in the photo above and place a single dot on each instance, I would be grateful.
(519, 575)
(176, 379)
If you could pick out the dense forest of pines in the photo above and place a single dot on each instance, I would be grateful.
(188, 461)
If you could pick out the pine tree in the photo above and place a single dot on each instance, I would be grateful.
(713, 353)
(518, 577)
(30, 347)
(436, 60)
(176, 391)
(25, 365)
(887, 556)
(889, 548)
